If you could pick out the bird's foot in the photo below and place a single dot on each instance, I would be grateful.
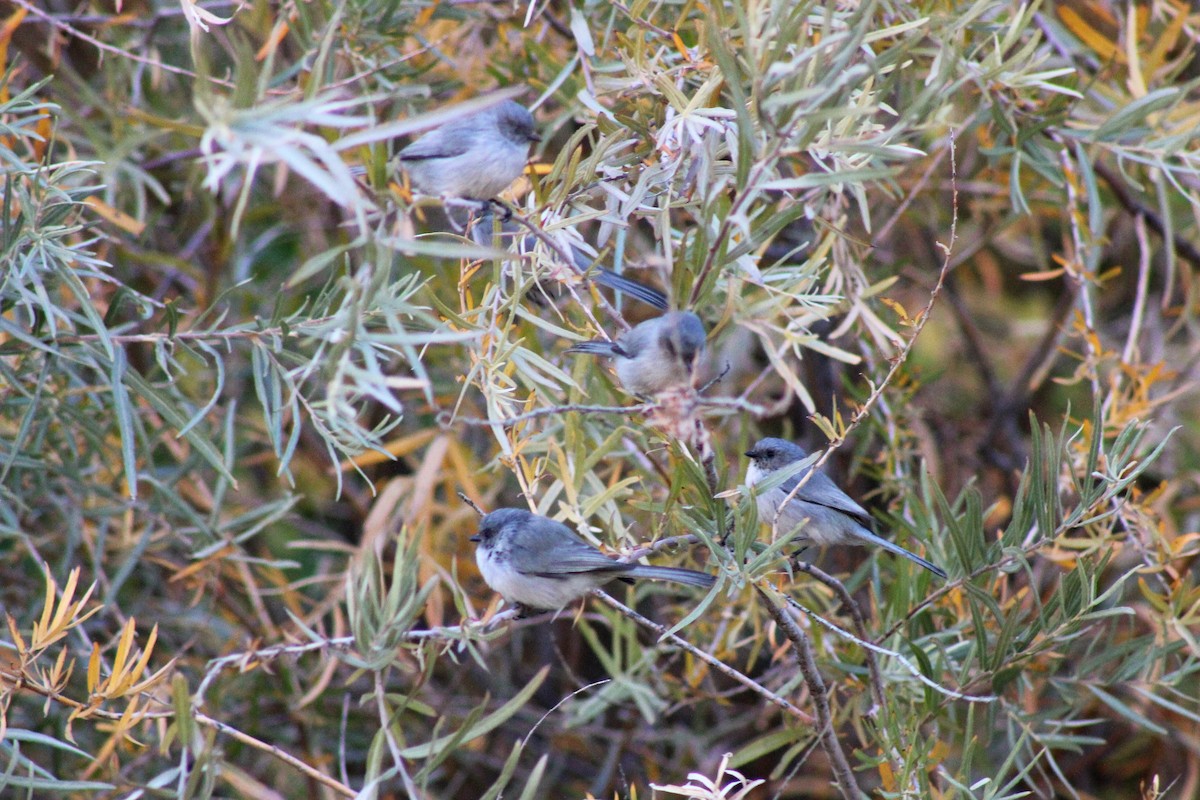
(506, 211)
(796, 556)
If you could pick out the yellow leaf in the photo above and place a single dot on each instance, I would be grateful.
(1165, 41)
(138, 688)
(146, 650)
(938, 753)
(6, 32)
(680, 46)
(64, 605)
(1104, 47)
(1046, 275)
(397, 448)
(896, 307)
(887, 777)
(426, 15)
(43, 623)
(278, 34)
(192, 569)
(119, 660)
(16, 635)
(115, 216)
(93, 676)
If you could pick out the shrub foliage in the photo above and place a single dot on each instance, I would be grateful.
(245, 376)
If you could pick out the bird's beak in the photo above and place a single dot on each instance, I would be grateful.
(476, 538)
(751, 454)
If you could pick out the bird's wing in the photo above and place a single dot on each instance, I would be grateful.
(435, 145)
(822, 491)
(636, 340)
(567, 554)
(598, 347)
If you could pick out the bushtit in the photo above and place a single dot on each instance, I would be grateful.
(484, 230)
(826, 513)
(474, 157)
(656, 355)
(540, 563)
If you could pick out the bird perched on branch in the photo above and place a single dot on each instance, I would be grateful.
(658, 354)
(819, 512)
(474, 157)
(538, 562)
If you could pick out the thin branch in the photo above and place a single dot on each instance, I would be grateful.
(244, 661)
(1182, 247)
(870, 646)
(1074, 264)
(1143, 287)
(471, 503)
(643, 23)
(956, 585)
(860, 624)
(385, 720)
(660, 545)
(843, 775)
(556, 706)
(712, 661)
(916, 189)
(287, 758)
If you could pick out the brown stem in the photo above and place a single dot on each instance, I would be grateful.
(843, 776)
(860, 624)
(1180, 245)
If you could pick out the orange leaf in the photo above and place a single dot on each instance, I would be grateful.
(115, 216)
(6, 33)
(680, 46)
(887, 777)
(1164, 41)
(93, 676)
(1093, 38)
(16, 635)
(280, 31)
(426, 14)
(43, 128)
(192, 569)
(1045, 275)
(896, 307)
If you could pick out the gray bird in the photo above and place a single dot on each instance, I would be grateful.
(474, 157)
(828, 515)
(658, 354)
(537, 562)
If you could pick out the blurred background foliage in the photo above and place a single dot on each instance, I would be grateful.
(244, 375)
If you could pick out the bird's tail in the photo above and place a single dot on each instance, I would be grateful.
(892, 547)
(636, 290)
(677, 574)
(597, 347)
